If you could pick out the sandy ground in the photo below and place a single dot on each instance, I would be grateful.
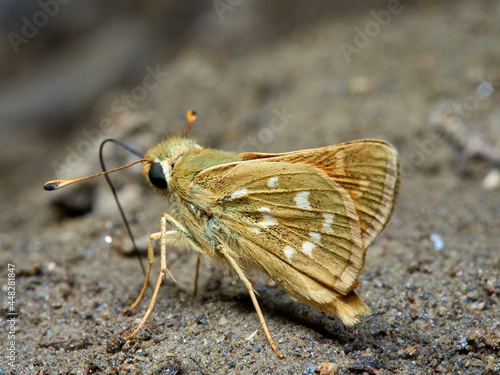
(424, 76)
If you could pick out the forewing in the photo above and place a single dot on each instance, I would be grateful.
(292, 213)
(368, 170)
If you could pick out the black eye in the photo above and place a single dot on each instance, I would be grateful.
(157, 177)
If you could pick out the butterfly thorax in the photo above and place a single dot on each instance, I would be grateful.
(171, 169)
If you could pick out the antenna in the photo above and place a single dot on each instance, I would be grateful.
(191, 117)
(57, 184)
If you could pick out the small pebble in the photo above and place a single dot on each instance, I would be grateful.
(437, 241)
(492, 180)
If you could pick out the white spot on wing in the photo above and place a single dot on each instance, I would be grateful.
(327, 225)
(240, 193)
(302, 200)
(256, 230)
(273, 182)
(315, 236)
(363, 188)
(308, 247)
(269, 219)
(289, 251)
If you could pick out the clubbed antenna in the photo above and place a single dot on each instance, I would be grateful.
(191, 117)
(57, 184)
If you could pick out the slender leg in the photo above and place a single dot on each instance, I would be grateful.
(164, 235)
(150, 308)
(188, 238)
(197, 267)
(151, 261)
(249, 287)
(175, 224)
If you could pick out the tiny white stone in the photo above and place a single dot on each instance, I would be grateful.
(302, 200)
(327, 225)
(315, 236)
(437, 241)
(240, 193)
(51, 266)
(492, 180)
(273, 182)
(269, 219)
(308, 247)
(249, 338)
(289, 251)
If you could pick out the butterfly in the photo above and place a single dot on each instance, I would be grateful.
(304, 218)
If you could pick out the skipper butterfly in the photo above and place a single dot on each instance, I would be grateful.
(304, 218)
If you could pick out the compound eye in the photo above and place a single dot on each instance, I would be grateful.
(157, 177)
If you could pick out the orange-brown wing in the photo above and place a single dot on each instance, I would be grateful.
(292, 211)
(367, 169)
(293, 222)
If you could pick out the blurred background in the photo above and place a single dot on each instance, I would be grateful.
(73, 73)
(262, 76)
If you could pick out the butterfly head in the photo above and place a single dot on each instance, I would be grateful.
(161, 160)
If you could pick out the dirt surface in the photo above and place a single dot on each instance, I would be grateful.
(422, 75)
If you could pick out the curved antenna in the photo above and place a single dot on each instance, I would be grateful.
(113, 190)
(191, 117)
(57, 184)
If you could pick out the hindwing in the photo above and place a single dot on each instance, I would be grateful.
(367, 169)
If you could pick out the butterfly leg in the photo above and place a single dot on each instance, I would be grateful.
(197, 268)
(189, 241)
(151, 261)
(234, 265)
(164, 236)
